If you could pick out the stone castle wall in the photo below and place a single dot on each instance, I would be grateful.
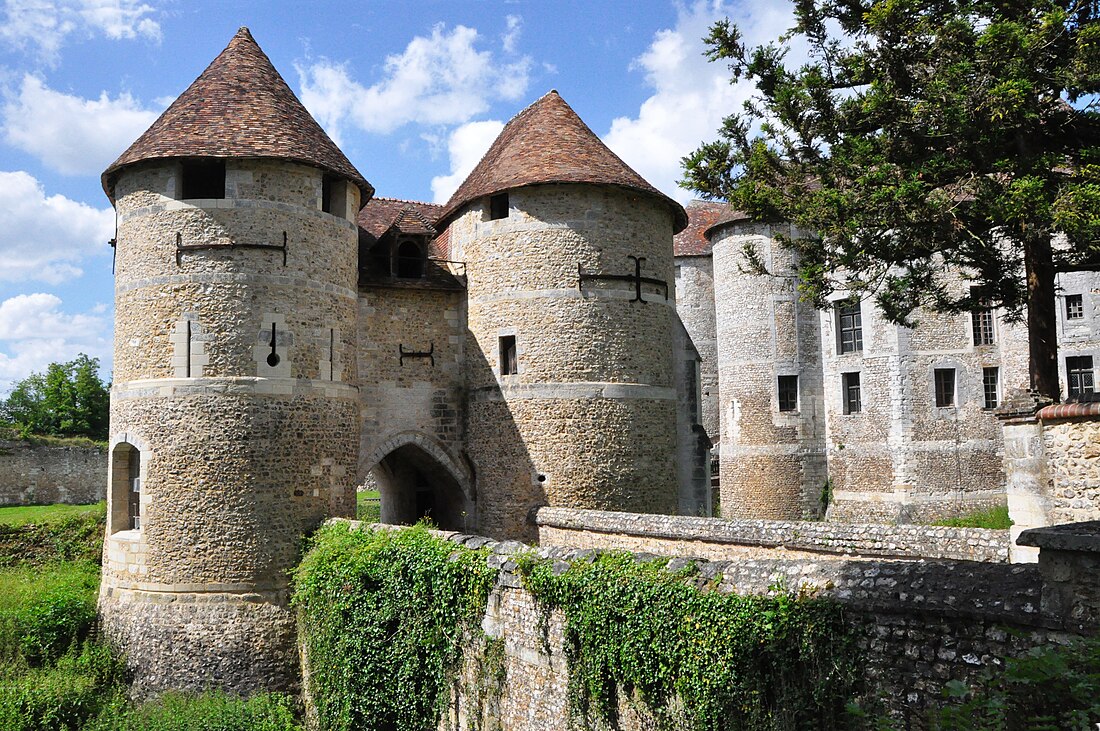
(772, 462)
(695, 305)
(902, 458)
(589, 419)
(243, 445)
(920, 625)
(38, 474)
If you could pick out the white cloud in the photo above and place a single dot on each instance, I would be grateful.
(442, 79)
(34, 332)
(691, 95)
(513, 29)
(72, 135)
(45, 25)
(45, 238)
(465, 147)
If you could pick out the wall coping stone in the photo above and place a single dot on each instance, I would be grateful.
(1084, 537)
(1086, 410)
(850, 539)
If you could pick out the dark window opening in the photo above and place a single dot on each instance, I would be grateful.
(1075, 307)
(410, 260)
(125, 488)
(981, 320)
(498, 206)
(1080, 377)
(853, 399)
(991, 386)
(945, 386)
(849, 327)
(508, 363)
(788, 393)
(326, 194)
(202, 179)
(134, 501)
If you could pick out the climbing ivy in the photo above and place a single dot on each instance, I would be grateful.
(702, 660)
(383, 615)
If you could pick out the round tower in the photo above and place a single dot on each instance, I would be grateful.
(569, 269)
(234, 411)
(772, 453)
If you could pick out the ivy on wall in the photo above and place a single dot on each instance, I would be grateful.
(383, 619)
(701, 660)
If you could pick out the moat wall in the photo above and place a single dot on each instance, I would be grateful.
(920, 623)
(40, 474)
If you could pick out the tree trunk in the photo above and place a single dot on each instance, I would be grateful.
(1042, 316)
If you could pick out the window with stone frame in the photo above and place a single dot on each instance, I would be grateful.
(945, 386)
(1079, 377)
(408, 259)
(853, 398)
(202, 179)
(991, 387)
(1075, 307)
(788, 393)
(849, 327)
(498, 206)
(509, 364)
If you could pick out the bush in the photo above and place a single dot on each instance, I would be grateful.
(60, 697)
(206, 712)
(45, 611)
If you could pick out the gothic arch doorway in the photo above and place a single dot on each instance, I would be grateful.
(413, 484)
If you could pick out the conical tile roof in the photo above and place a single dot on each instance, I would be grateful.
(548, 143)
(239, 107)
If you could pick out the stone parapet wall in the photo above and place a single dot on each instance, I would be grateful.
(41, 474)
(716, 539)
(920, 625)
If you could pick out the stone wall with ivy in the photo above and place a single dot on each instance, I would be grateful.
(630, 641)
(42, 474)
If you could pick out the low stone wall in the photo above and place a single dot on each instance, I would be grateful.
(921, 623)
(41, 474)
(718, 539)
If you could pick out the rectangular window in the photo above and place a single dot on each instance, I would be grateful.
(1079, 375)
(788, 393)
(1075, 307)
(508, 364)
(202, 179)
(853, 402)
(983, 326)
(498, 206)
(849, 326)
(991, 383)
(945, 386)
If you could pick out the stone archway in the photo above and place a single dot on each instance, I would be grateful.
(416, 479)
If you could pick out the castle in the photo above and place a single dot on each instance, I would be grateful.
(283, 336)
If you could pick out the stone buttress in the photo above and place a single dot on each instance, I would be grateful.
(234, 408)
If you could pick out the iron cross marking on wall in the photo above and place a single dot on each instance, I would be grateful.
(636, 278)
(429, 353)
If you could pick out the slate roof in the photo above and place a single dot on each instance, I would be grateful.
(548, 143)
(693, 241)
(238, 107)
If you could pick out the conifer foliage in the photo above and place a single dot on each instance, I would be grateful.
(922, 137)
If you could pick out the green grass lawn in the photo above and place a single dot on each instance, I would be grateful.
(17, 515)
(995, 518)
(367, 507)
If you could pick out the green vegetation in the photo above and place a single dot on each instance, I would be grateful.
(367, 506)
(1051, 688)
(995, 518)
(710, 659)
(384, 615)
(920, 139)
(205, 712)
(61, 535)
(68, 400)
(17, 515)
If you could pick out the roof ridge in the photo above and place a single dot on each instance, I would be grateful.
(406, 200)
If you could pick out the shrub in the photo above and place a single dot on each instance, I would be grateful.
(44, 611)
(60, 697)
(383, 615)
(71, 538)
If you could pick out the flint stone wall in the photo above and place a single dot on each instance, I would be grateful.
(718, 539)
(921, 624)
(32, 474)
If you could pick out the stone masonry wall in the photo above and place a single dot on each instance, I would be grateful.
(695, 305)
(1072, 449)
(921, 624)
(590, 417)
(35, 474)
(772, 462)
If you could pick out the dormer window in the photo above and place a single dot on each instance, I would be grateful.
(202, 179)
(409, 262)
(498, 206)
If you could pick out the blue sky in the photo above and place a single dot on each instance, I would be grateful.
(413, 92)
